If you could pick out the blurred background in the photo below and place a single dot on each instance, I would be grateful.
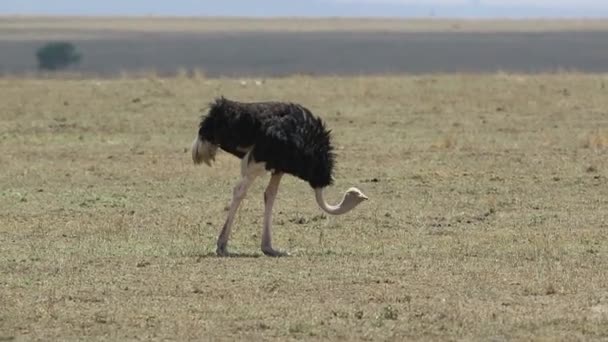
(314, 8)
(274, 37)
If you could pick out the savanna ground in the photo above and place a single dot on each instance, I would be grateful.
(487, 217)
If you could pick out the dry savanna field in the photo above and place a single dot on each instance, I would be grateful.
(487, 217)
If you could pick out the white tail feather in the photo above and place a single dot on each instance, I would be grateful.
(203, 151)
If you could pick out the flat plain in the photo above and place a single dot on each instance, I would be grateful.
(281, 47)
(487, 215)
(19, 26)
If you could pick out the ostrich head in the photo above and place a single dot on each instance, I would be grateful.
(353, 197)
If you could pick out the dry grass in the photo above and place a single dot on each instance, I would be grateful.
(44, 28)
(487, 217)
(598, 139)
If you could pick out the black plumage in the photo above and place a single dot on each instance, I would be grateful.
(287, 137)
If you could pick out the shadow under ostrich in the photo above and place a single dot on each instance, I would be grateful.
(276, 137)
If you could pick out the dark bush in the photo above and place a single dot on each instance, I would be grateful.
(57, 56)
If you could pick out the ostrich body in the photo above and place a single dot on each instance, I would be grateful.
(276, 137)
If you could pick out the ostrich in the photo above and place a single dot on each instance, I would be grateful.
(276, 137)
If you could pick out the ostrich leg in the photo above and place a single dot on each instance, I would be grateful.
(269, 196)
(249, 172)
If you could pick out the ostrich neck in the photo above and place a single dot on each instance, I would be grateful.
(339, 209)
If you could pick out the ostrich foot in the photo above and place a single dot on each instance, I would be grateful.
(269, 251)
(222, 250)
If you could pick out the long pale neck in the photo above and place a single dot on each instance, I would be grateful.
(339, 209)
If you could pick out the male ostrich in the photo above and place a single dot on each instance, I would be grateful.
(270, 136)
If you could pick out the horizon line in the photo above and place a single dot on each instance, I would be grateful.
(304, 17)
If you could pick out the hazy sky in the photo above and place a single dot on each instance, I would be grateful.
(440, 8)
(547, 3)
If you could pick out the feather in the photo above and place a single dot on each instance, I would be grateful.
(287, 137)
